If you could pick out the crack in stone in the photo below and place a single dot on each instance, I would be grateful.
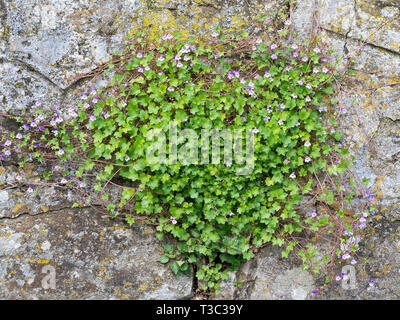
(30, 68)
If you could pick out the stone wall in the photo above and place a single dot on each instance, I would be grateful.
(43, 43)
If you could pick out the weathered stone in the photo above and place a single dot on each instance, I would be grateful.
(43, 43)
(94, 258)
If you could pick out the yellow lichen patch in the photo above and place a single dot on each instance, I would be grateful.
(44, 208)
(19, 207)
(143, 287)
(42, 261)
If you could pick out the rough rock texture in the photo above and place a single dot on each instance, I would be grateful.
(43, 43)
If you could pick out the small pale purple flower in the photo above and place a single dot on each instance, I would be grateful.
(307, 159)
(292, 175)
(60, 152)
(92, 117)
(307, 143)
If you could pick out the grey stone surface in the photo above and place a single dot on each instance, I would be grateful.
(93, 257)
(44, 43)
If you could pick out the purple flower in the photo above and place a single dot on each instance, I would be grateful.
(255, 130)
(7, 143)
(173, 220)
(19, 135)
(139, 55)
(307, 159)
(231, 214)
(7, 152)
(60, 152)
(273, 46)
(307, 143)
(317, 50)
(292, 175)
(228, 164)
(140, 69)
(274, 56)
(73, 113)
(92, 117)
(84, 96)
(58, 119)
(280, 122)
(315, 70)
(322, 109)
